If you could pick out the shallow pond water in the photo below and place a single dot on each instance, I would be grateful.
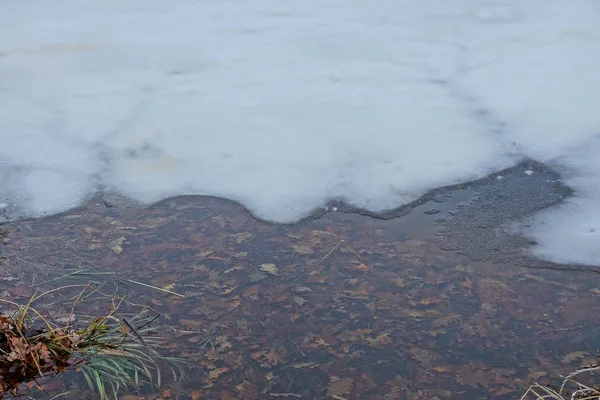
(343, 306)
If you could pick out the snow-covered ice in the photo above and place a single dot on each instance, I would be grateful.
(283, 104)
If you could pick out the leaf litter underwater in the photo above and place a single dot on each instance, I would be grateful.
(340, 306)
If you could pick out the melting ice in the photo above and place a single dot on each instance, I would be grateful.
(282, 105)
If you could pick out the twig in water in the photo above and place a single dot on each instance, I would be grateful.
(154, 287)
(135, 332)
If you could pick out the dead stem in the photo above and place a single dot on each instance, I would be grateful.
(580, 392)
(154, 287)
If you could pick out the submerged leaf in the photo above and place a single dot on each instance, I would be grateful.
(270, 268)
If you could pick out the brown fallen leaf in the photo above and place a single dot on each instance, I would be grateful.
(273, 358)
(399, 282)
(223, 343)
(247, 390)
(251, 291)
(360, 267)
(215, 373)
(426, 301)
(339, 387)
(240, 237)
(302, 249)
(190, 323)
(197, 394)
(380, 341)
(225, 395)
(43, 352)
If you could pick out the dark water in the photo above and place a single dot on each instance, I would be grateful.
(342, 306)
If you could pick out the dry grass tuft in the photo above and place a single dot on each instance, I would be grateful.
(110, 352)
(571, 388)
